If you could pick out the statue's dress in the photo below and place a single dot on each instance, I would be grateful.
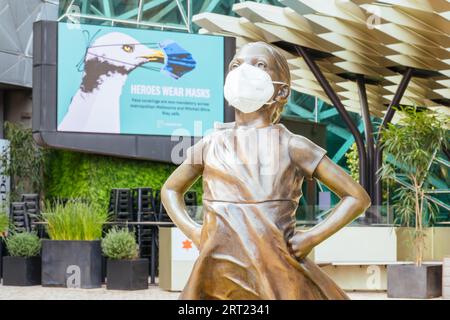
(251, 193)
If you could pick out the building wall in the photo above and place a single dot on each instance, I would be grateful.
(17, 106)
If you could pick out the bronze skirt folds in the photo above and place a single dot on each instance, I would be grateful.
(245, 256)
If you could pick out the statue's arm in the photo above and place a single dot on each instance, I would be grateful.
(173, 190)
(354, 200)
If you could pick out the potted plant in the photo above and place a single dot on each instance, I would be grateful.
(4, 224)
(23, 265)
(412, 146)
(124, 270)
(72, 256)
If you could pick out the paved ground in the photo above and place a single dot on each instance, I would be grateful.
(153, 293)
(41, 293)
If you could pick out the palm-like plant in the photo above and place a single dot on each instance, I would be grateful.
(413, 144)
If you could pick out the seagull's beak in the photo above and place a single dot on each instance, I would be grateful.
(155, 56)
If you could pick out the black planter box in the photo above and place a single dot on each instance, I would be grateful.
(127, 274)
(410, 281)
(2, 253)
(76, 264)
(21, 271)
(104, 260)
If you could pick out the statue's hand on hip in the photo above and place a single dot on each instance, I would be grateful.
(301, 244)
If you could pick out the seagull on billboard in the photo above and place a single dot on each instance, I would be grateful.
(95, 107)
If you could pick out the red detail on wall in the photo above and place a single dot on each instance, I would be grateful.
(187, 244)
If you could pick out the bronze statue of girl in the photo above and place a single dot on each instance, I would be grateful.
(253, 170)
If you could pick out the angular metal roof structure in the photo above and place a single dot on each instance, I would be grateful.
(16, 25)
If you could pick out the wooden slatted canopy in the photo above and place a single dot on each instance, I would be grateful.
(371, 38)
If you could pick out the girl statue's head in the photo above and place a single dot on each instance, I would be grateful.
(268, 59)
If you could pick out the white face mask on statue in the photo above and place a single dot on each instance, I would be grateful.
(248, 88)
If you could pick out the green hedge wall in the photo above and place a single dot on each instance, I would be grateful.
(78, 175)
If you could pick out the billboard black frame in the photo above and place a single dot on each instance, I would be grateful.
(44, 121)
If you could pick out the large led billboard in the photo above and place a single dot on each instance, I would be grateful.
(126, 91)
(135, 81)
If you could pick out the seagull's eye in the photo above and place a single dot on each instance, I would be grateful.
(128, 48)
